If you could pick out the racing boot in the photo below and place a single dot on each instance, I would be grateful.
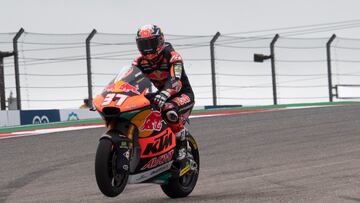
(177, 127)
(183, 160)
(183, 157)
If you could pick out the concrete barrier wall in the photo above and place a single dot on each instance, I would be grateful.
(16, 118)
(77, 114)
(39, 116)
(26, 117)
(9, 118)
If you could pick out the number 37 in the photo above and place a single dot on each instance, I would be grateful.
(110, 97)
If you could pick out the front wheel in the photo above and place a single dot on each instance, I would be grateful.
(184, 185)
(108, 180)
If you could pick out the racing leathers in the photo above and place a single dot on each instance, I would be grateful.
(167, 74)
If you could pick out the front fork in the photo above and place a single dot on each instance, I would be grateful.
(122, 157)
(125, 146)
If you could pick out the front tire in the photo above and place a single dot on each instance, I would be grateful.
(108, 180)
(179, 187)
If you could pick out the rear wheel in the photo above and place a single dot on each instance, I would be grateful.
(184, 185)
(108, 180)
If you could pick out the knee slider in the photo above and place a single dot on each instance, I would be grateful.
(172, 116)
(170, 113)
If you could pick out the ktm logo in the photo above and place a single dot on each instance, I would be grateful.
(160, 145)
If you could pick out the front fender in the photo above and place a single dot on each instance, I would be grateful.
(114, 136)
(123, 142)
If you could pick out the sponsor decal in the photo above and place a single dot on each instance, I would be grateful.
(127, 155)
(159, 160)
(149, 174)
(175, 57)
(131, 106)
(39, 120)
(138, 74)
(39, 116)
(158, 75)
(178, 70)
(139, 80)
(153, 122)
(185, 170)
(73, 117)
(182, 100)
(123, 145)
(126, 87)
(156, 145)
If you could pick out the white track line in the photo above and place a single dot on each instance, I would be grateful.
(72, 128)
(64, 129)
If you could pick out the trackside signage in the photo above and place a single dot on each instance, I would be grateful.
(77, 114)
(39, 116)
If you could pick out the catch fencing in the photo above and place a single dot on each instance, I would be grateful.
(61, 70)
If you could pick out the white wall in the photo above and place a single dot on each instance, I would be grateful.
(9, 118)
(77, 114)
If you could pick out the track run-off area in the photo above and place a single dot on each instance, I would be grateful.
(292, 155)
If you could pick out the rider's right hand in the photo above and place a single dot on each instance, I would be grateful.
(151, 97)
(161, 98)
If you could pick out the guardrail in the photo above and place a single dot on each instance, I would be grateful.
(26, 117)
(30, 117)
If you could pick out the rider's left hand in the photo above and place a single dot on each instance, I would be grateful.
(161, 98)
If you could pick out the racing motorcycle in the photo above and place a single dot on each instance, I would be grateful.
(139, 146)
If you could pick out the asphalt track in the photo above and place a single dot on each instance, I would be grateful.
(302, 155)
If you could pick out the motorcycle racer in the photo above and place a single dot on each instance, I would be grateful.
(164, 67)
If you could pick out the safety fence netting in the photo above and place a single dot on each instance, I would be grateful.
(301, 70)
(111, 52)
(53, 68)
(345, 59)
(238, 79)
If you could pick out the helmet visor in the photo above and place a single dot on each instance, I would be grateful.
(147, 45)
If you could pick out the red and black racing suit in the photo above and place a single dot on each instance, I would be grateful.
(167, 73)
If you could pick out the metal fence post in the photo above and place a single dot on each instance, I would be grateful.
(213, 74)
(328, 54)
(2, 84)
(16, 66)
(2, 79)
(88, 63)
(273, 73)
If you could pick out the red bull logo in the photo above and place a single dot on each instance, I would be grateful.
(153, 121)
(126, 87)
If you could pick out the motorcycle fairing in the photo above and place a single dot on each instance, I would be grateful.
(154, 142)
(146, 175)
(153, 139)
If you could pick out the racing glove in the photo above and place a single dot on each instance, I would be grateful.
(161, 98)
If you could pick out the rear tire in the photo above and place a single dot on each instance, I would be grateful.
(105, 170)
(178, 188)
